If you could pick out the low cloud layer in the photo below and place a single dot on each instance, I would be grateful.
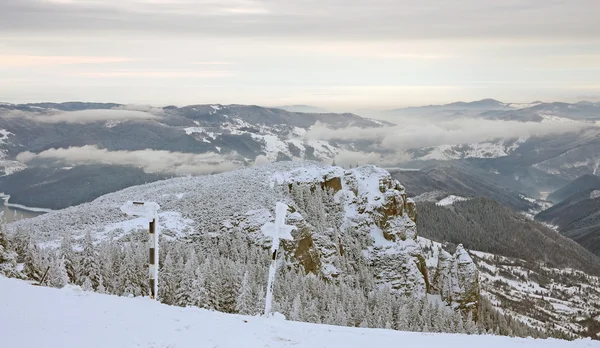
(417, 134)
(126, 113)
(350, 158)
(151, 161)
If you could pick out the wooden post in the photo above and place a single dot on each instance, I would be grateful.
(148, 210)
(153, 259)
(44, 276)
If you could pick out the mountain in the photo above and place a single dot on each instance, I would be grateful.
(113, 321)
(583, 183)
(467, 181)
(577, 217)
(369, 211)
(204, 139)
(195, 139)
(303, 108)
(496, 110)
(486, 225)
(526, 269)
(58, 188)
(356, 235)
(452, 110)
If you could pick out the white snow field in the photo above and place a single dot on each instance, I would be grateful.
(32, 316)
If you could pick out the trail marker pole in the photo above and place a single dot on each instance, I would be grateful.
(149, 211)
(277, 231)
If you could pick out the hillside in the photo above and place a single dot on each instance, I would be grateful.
(485, 225)
(348, 221)
(59, 188)
(577, 217)
(577, 186)
(146, 143)
(466, 181)
(72, 318)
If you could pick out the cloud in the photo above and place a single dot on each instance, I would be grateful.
(384, 19)
(88, 116)
(151, 161)
(156, 74)
(346, 158)
(417, 133)
(15, 60)
(261, 159)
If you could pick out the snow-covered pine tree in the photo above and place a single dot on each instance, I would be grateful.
(245, 300)
(33, 263)
(8, 258)
(168, 277)
(101, 289)
(187, 293)
(296, 313)
(57, 274)
(89, 269)
(128, 277)
(67, 254)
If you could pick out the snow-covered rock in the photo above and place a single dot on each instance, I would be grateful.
(457, 279)
(361, 204)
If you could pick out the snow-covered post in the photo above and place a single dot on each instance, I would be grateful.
(149, 211)
(277, 231)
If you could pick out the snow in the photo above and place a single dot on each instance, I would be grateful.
(528, 199)
(33, 209)
(595, 194)
(556, 119)
(451, 200)
(170, 222)
(496, 149)
(4, 136)
(35, 316)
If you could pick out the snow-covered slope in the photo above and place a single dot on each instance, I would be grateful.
(542, 297)
(366, 206)
(492, 149)
(45, 317)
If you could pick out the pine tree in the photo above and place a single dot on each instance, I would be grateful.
(244, 303)
(470, 326)
(57, 274)
(187, 291)
(87, 284)
(128, 278)
(32, 267)
(89, 269)
(8, 258)
(68, 256)
(101, 289)
(296, 313)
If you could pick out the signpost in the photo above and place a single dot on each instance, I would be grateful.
(149, 211)
(277, 231)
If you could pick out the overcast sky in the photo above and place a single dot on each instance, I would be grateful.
(338, 54)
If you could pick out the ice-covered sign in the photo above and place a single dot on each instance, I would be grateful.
(278, 230)
(148, 210)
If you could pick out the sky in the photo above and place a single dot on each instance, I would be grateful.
(342, 55)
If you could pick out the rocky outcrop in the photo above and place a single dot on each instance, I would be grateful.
(373, 205)
(457, 280)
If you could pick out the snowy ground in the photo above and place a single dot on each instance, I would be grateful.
(44, 317)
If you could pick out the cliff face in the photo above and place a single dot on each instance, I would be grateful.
(457, 280)
(375, 209)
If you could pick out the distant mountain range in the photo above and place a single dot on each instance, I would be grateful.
(136, 145)
(493, 109)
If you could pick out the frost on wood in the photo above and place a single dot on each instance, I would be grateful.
(277, 231)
